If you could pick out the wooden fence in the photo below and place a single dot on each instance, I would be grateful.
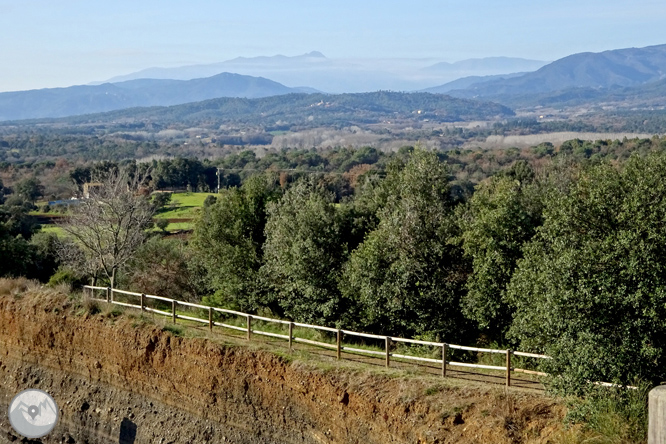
(338, 333)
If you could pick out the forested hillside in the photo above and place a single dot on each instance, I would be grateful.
(309, 110)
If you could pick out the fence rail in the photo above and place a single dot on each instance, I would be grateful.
(339, 333)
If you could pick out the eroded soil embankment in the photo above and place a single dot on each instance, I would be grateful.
(114, 377)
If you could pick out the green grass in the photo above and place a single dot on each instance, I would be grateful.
(58, 231)
(190, 199)
(176, 330)
(42, 213)
(178, 213)
(184, 206)
(177, 226)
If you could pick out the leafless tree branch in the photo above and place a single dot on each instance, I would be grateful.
(106, 229)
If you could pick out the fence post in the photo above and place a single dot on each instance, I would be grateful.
(508, 368)
(657, 415)
(339, 344)
(108, 294)
(388, 351)
(173, 310)
(249, 327)
(443, 360)
(291, 335)
(143, 302)
(210, 318)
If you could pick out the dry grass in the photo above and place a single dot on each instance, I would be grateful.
(90, 305)
(556, 138)
(17, 286)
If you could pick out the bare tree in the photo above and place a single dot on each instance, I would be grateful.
(106, 229)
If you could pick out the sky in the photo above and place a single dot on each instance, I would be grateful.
(49, 43)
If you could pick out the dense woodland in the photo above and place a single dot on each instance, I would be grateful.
(556, 250)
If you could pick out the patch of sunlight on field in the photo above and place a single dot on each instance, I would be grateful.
(190, 199)
(183, 206)
(177, 226)
(58, 231)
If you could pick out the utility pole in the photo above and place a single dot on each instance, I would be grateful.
(218, 181)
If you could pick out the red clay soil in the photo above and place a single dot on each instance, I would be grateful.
(122, 375)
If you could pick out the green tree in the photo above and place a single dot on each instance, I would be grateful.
(15, 218)
(228, 240)
(591, 289)
(502, 215)
(45, 253)
(408, 275)
(29, 189)
(160, 200)
(304, 254)
(162, 224)
(17, 255)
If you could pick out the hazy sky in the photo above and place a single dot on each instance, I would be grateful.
(46, 43)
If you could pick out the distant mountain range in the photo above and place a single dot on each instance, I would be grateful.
(76, 100)
(624, 77)
(346, 75)
(593, 74)
(503, 65)
(300, 111)
(648, 96)
(466, 82)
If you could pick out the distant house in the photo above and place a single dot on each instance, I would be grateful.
(87, 187)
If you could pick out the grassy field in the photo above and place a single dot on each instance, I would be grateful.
(177, 226)
(53, 229)
(184, 207)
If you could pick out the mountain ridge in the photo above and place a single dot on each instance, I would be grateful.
(627, 67)
(88, 99)
(345, 75)
(302, 110)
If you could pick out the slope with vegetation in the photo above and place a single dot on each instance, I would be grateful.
(545, 249)
(616, 68)
(119, 373)
(298, 108)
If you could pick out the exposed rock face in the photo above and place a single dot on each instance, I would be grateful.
(118, 380)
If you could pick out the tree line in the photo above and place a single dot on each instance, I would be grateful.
(565, 259)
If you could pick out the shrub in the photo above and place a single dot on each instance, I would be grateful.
(210, 200)
(162, 224)
(66, 276)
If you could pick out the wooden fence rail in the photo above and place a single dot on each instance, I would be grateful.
(339, 333)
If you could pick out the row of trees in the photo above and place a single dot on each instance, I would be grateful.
(341, 166)
(566, 260)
